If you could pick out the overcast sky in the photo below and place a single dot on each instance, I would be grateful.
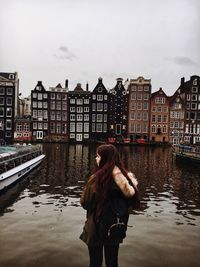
(81, 40)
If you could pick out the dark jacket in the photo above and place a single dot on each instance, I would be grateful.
(95, 232)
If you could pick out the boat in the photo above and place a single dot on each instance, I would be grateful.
(187, 152)
(16, 162)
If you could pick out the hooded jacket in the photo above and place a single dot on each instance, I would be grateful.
(92, 233)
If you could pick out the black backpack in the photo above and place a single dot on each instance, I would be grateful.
(113, 221)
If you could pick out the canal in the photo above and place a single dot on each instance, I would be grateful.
(41, 218)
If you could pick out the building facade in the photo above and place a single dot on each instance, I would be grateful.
(159, 117)
(79, 114)
(99, 112)
(118, 111)
(58, 113)
(23, 130)
(190, 93)
(139, 107)
(9, 91)
(177, 115)
(39, 112)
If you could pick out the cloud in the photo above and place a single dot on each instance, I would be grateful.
(65, 54)
(184, 61)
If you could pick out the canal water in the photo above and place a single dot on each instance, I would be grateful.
(41, 218)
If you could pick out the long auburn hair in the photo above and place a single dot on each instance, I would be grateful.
(103, 173)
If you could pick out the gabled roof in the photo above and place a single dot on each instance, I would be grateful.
(59, 86)
(100, 84)
(158, 92)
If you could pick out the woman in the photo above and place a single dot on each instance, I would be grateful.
(107, 198)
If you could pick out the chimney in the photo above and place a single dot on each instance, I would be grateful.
(182, 80)
(100, 79)
(87, 86)
(66, 83)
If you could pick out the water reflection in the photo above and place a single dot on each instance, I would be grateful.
(165, 185)
(45, 209)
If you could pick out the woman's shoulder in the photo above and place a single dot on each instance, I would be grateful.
(123, 183)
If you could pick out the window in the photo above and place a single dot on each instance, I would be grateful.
(58, 105)
(39, 105)
(100, 89)
(139, 96)
(8, 134)
(93, 107)
(86, 117)
(45, 95)
(133, 88)
(93, 117)
(159, 118)
(100, 97)
(64, 115)
(79, 117)
(58, 128)
(52, 96)
(132, 115)
(133, 96)
(153, 109)
(139, 105)
(58, 115)
(34, 113)
(58, 96)
(99, 117)
(133, 105)
(105, 97)
(8, 124)
(52, 104)
(160, 100)
(86, 109)
(45, 114)
(193, 106)
(145, 116)
(187, 105)
(86, 127)
(72, 109)
(153, 118)
(26, 127)
(195, 81)
(64, 105)
(79, 101)
(145, 128)
(45, 126)
(94, 97)
(9, 112)
(2, 90)
(72, 101)
(105, 118)
(40, 125)
(164, 129)
(194, 97)
(9, 91)
(79, 127)
(139, 115)
(1, 100)
(153, 129)
(1, 125)
(99, 107)
(80, 109)
(86, 101)
(44, 104)
(99, 127)
(188, 97)
(159, 109)
(138, 128)
(105, 107)
(194, 89)
(140, 88)
(52, 115)
(1, 112)
(39, 113)
(19, 127)
(34, 104)
(64, 96)
(39, 96)
(146, 88)
(72, 127)
(145, 105)
(164, 118)
(146, 96)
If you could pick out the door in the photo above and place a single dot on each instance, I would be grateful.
(39, 135)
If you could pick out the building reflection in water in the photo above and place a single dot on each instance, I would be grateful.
(164, 183)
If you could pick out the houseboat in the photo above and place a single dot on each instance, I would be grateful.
(187, 152)
(16, 162)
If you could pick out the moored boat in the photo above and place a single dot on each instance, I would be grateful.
(187, 152)
(16, 162)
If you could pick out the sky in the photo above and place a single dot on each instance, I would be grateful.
(82, 40)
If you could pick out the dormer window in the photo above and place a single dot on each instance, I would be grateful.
(195, 82)
(11, 76)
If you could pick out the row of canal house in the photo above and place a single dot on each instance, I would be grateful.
(126, 111)
(123, 112)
